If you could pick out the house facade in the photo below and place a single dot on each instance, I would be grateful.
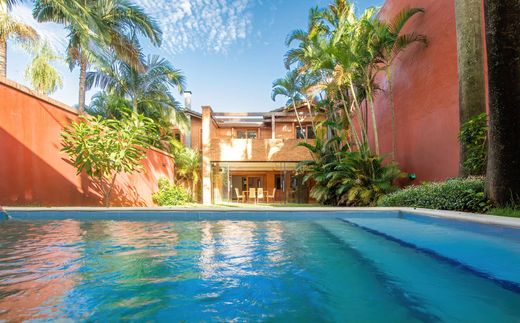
(251, 156)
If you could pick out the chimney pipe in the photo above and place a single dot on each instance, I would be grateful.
(187, 100)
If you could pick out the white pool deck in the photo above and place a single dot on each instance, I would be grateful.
(461, 216)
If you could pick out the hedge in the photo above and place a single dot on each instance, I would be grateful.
(460, 194)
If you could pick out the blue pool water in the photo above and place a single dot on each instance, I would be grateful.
(333, 267)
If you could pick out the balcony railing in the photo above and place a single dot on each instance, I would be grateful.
(227, 149)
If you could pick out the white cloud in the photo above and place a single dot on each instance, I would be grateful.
(53, 33)
(205, 25)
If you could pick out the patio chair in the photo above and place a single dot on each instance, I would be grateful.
(240, 196)
(260, 195)
(252, 194)
(272, 197)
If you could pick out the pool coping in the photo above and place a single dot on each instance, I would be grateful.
(462, 216)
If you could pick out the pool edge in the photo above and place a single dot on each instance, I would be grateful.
(454, 215)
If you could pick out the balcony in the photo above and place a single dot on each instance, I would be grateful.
(228, 149)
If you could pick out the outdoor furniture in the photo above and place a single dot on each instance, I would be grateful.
(252, 194)
(260, 195)
(240, 196)
(272, 197)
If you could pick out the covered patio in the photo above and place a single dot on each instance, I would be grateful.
(258, 182)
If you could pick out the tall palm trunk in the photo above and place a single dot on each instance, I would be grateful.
(310, 113)
(503, 52)
(297, 116)
(3, 58)
(82, 80)
(392, 109)
(134, 104)
(359, 116)
(370, 100)
(470, 62)
(349, 119)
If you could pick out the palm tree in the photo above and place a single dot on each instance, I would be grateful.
(187, 165)
(389, 43)
(96, 24)
(148, 91)
(108, 105)
(44, 78)
(288, 87)
(11, 28)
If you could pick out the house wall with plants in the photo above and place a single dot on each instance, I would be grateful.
(425, 93)
(33, 170)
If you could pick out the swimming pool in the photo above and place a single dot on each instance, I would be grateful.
(260, 266)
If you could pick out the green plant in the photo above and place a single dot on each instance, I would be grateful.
(459, 194)
(12, 28)
(44, 78)
(187, 165)
(108, 105)
(104, 148)
(149, 91)
(473, 135)
(344, 177)
(170, 194)
(96, 25)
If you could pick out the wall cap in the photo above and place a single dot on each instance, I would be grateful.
(28, 91)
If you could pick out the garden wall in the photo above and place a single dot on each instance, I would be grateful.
(425, 87)
(33, 170)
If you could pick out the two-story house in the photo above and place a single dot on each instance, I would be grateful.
(244, 153)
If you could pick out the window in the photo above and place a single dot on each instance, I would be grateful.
(310, 133)
(177, 136)
(300, 132)
(278, 182)
(305, 132)
(246, 134)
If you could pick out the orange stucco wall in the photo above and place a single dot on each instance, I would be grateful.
(33, 171)
(425, 88)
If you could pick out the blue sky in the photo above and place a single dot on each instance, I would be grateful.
(229, 50)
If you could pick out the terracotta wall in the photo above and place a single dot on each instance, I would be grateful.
(33, 171)
(425, 88)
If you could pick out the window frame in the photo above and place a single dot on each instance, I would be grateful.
(247, 133)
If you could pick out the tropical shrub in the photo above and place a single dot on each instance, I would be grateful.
(473, 135)
(170, 194)
(347, 178)
(455, 194)
(104, 148)
(187, 165)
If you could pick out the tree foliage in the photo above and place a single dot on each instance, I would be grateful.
(12, 28)
(44, 78)
(105, 148)
(473, 135)
(95, 25)
(187, 165)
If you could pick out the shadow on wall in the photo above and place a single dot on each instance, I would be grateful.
(28, 180)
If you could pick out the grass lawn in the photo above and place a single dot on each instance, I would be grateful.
(507, 211)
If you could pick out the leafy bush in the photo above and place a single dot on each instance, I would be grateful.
(473, 135)
(105, 148)
(347, 178)
(170, 194)
(454, 194)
